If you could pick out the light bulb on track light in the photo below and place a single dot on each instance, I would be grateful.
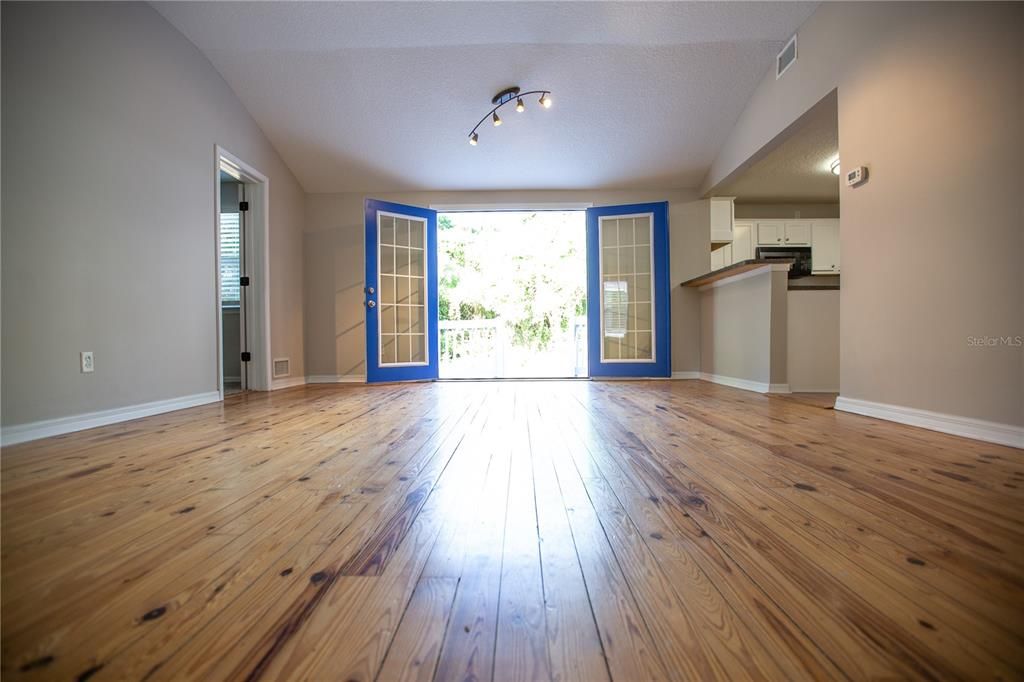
(515, 97)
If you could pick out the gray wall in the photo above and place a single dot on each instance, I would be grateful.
(930, 100)
(110, 117)
(232, 343)
(335, 333)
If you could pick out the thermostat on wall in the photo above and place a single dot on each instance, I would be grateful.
(856, 176)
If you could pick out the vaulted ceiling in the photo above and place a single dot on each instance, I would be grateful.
(380, 96)
(798, 166)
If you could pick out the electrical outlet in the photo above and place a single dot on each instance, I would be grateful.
(86, 359)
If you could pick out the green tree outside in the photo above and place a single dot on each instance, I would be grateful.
(527, 269)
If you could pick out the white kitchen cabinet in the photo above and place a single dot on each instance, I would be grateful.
(798, 233)
(825, 247)
(770, 232)
(784, 232)
(742, 241)
(722, 213)
(718, 259)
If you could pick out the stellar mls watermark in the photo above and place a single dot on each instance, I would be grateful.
(994, 341)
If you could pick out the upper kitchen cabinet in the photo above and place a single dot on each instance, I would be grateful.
(742, 241)
(825, 247)
(797, 234)
(770, 232)
(722, 215)
(783, 232)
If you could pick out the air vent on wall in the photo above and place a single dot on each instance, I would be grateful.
(785, 58)
(282, 367)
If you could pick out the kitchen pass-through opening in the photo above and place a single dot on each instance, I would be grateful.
(512, 294)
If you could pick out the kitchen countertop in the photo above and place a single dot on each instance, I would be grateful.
(731, 270)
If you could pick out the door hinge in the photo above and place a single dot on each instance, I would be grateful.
(243, 206)
(246, 356)
(243, 281)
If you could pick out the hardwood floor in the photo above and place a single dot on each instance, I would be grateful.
(512, 531)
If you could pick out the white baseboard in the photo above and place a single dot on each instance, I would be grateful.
(20, 433)
(336, 379)
(745, 384)
(686, 375)
(668, 378)
(978, 429)
(286, 382)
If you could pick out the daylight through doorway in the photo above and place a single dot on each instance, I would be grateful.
(512, 294)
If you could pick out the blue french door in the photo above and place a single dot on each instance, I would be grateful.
(400, 293)
(628, 291)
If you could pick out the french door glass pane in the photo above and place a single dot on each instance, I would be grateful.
(627, 282)
(402, 265)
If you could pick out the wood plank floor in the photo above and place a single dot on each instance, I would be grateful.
(512, 531)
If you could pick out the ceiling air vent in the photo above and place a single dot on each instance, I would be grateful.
(785, 58)
(282, 367)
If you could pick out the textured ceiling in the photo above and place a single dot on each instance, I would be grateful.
(798, 169)
(381, 96)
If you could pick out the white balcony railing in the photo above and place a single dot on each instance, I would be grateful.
(482, 349)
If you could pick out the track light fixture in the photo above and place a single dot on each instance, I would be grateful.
(503, 98)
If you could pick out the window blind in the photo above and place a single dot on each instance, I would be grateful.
(230, 258)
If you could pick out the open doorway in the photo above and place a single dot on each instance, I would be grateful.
(787, 209)
(241, 209)
(232, 294)
(512, 294)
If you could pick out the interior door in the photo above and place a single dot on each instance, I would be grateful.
(400, 292)
(244, 227)
(628, 291)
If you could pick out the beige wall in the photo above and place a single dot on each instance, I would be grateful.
(779, 373)
(775, 211)
(930, 99)
(736, 329)
(813, 340)
(335, 334)
(110, 117)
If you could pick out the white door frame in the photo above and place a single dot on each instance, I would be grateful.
(257, 256)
